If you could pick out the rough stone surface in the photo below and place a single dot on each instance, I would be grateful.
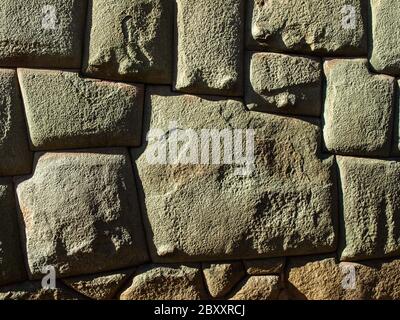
(258, 288)
(166, 282)
(42, 33)
(204, 212)
(65, 111)
(79, 213)
(287, 84)
(221, 278)
(310, 26)
(210, 64)
(385, 54)
(16, 157)
(370, 207)
(264, 266)
(130, 40)
(358, 109)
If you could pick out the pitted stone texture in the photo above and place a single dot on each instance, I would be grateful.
(371, 205)
(221, 278)
(130, 40)
(11, 260)
(258, 288)
(286, 84)
(385, 55)
(166, 282)
(16, 158)
(264, 266)
(42, 33)
(308, 26)
(358, 109)
(79, 213)
(210, 47)
(101, 286)
(208, 212)
(65, 111)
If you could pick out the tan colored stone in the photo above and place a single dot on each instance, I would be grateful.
(258, 288)
(264, 266)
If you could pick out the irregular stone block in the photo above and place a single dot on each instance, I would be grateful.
(130, 40)
(385, 20)
(309, 26)
(16, 158)
(42, 33)
(66, 111)
(166, 282)
(358, 109)
(11, 259)
(221, 278)
(210, 43)
(277, 198)
(370, 208)
(264, 266)
(287, 84)
(79, 213)
(259, 288)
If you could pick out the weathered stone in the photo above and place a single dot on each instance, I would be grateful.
(385, 54)
(66, 111)
(16, 157)
(264, 266)
(79, 213)
(130, 40)
(259, 288)
(358, 109)
(396, 140)
(221, 278)
(309, 26)
(371, 206)
(11, 260)
(287, 84)
(210, 47)
(101, 286)
(282, 202)
(42, 33)
(166, 282)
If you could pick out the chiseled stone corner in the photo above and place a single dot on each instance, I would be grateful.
(385, 20)
(42, 33)
(309, 26)
(371, 207)
(130, 40)
(284, 204)
(359, 109)
(66, 111)
(287, 84)
(16, 158)
(258, 288)
(210, 47)
(79, 213)
(11, 259)
(166, 282)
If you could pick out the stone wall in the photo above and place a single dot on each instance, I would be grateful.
(106, 179)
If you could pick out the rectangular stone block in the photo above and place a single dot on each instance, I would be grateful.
(310, 26)
(359, 108)
(79, 213)
(130, 40)
(210, 47)
(16, 158)
(284, 84)
(371, 208)
(42, 33)
(64, 110)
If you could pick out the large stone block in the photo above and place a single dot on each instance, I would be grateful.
(210, 47)
(385, 53)
(209, 207)
(359, 109)
(371, 208)
(42, 33)
(286, 84)
(16, 158)
(79, 213)
(309, 26)
(130, 40)
(64, 110)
